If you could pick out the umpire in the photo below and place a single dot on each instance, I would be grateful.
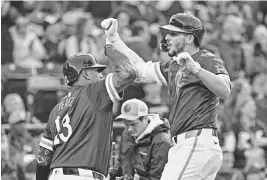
(150, 153)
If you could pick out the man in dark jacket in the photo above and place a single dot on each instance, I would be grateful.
(150, 153)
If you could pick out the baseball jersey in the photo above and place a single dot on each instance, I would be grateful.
(192, 104)
(79, 128)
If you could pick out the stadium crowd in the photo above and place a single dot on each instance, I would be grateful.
(37, 37)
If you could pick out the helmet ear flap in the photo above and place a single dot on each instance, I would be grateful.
(70, 74)
(163, 45)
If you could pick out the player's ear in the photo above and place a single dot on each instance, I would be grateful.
(86, 74)
(190, 39)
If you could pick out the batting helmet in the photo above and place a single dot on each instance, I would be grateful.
(186, 23)
(75, 64)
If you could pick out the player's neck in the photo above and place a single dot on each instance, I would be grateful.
(192, 50)
(82, 83)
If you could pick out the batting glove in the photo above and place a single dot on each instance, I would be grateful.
(110, 26)
(185, 59)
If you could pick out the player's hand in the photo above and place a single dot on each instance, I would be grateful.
(155, 121)
(185, 59)
(110, 26)
(113, 171)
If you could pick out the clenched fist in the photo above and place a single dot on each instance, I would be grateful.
(185, 59)
(110, 26)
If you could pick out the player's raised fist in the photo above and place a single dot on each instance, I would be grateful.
(110, 26)
(186, 60)
(182, 58)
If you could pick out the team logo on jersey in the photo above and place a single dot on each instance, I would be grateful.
(127, 108)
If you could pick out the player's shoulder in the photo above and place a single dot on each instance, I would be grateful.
(99, 85)
(206, 57)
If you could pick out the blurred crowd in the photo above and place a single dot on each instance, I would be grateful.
(37, 37)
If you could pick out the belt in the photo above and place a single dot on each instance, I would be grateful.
(194, 133)
(77, 172)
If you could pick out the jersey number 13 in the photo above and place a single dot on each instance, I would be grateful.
(65, 124)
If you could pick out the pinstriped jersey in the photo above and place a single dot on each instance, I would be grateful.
(80, 126)
(193, 105)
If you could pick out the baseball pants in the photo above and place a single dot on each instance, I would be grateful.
(194, 158)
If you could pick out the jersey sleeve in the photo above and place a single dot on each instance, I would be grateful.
(103, 93)
(215, 65)
(153, 73)
(47, 138)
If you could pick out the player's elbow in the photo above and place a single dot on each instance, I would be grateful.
(225, 92)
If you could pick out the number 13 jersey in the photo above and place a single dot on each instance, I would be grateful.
(79, 128)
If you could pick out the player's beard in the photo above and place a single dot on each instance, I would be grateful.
(178, 49)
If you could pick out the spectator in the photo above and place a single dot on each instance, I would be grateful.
(249, 23)
(20, 142)
(140, 40)
(13, 102)
(227, 172)
(251, 138)
(168, 8)
(260, 89)
(229, 44)
(149, 13)
(28, 49)
(256, 53)
(6, 39)
(123, 24)
(84, 40)
(225, 131)
(51, 43)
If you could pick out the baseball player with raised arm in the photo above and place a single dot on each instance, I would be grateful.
(196, 80)
(76, 143)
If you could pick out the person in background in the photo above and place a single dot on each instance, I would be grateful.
(149, 151)
(83, 41)
(20, 143)
(251, 137)
(28, 50)
(51, 40)
(227, 172)
(124, 19)
(140, 40)
(229, 45)
(256, 52)
(6, 39)
(259, 87)
(13, 102)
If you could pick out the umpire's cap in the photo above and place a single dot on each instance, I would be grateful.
(186, 23)
(133, 109)
(75, 64)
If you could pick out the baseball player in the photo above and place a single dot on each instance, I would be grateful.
(196, 79)
(76, 143)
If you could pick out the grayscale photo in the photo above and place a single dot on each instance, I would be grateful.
(133, 90)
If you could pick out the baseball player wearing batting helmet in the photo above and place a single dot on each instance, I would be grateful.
(76, 143)
(196, 80)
